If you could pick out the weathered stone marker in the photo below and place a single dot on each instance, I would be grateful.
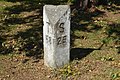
(56, 35)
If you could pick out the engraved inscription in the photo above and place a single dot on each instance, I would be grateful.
(48, 39)
(61, 40)
(61, 36)
(48, 24)
(64, 39)
(61, 27)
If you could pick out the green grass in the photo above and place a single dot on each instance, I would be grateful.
(4, 4)
(22, 33)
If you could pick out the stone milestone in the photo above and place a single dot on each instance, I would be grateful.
(56, 35)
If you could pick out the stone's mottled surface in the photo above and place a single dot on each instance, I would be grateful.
(54, 13)
(56, 35)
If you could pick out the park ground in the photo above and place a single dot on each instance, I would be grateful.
(95, 43)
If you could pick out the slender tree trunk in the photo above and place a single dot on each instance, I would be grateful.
(77, 4)
(84, 4)
(81, 4)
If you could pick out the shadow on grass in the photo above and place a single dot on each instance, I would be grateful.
(87, 19)
(79, 53)
(32, 42)
(1, 41)
(113, 8)
(114, 32)
(28, 41)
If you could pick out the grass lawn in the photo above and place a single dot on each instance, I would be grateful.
(95, 43)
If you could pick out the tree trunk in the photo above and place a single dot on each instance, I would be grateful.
(84, 4)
